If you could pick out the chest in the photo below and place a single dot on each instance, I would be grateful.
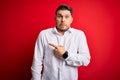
(69, 41)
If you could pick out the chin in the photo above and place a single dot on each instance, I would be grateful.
(63, 30)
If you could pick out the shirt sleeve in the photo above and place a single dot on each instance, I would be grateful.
(82, 56)
(36, 67)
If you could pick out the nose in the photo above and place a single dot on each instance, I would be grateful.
(63, 19)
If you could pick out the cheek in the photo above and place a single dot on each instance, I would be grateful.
(58, 21)
(69, 22)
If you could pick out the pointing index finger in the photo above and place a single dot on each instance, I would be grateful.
(53, 45)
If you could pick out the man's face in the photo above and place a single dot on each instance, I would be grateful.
(63, 20)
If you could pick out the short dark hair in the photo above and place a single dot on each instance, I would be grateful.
(64, 7)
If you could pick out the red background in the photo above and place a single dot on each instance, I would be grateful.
(22, 20)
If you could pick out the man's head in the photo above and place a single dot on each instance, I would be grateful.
(63, 18)
(64, 7)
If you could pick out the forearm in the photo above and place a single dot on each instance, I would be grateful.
(36, 67)
(79, 56)
(36, 70)
(78, 59)
(35, 75)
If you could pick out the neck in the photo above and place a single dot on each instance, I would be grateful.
(61, 31)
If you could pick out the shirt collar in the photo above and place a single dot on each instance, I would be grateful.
(55, 30)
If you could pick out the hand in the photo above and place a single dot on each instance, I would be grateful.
(59, 50)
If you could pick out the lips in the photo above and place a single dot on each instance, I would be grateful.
(63, 24)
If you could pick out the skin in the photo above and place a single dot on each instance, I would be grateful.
(59, 50)
(63, 20)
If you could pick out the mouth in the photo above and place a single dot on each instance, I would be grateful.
(62, 29)
(62, 24)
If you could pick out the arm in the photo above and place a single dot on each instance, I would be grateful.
(82, 57)
(37, 59)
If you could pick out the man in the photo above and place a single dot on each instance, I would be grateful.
(60, 50)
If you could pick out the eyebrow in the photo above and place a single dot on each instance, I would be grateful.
(62, 15)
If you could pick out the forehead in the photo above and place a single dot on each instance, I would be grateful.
(63, 12)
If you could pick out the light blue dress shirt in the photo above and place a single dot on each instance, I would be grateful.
(56, 68)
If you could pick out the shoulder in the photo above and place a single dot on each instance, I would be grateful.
(77, 31)
(45, 32)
